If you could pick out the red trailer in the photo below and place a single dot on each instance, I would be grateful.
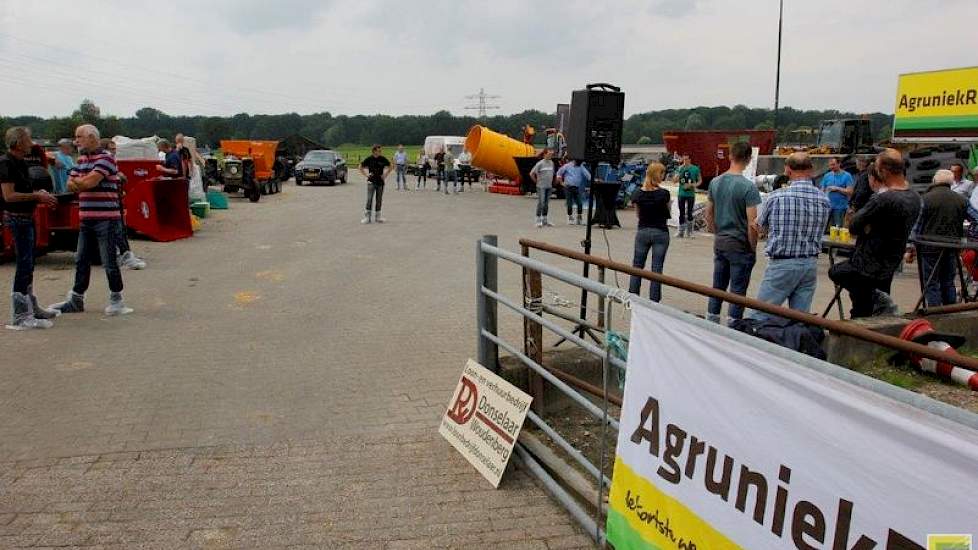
(710, 149)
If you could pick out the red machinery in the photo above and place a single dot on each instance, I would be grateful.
(155, 207)
(710, 149)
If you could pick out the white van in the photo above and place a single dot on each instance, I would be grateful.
(433, 144)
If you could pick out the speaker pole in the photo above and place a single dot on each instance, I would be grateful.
(581, 329)
(586, 243)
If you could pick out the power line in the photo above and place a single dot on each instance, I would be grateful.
(483, 106)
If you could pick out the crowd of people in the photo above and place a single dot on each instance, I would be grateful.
(94, 177)
(891, 223)
(84, 167)
(451, 173)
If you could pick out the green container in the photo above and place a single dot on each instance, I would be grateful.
(200, 209)
(217, 199)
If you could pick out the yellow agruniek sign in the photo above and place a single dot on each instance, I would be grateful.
(937, 106)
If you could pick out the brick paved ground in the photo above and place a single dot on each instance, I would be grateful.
(280, 384)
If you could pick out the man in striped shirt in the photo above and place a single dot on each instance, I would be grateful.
(96, 180)
(794, 218)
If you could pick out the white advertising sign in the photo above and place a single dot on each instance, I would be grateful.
(484, 419)
(724, 444)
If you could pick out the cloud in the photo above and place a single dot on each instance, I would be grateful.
(673, 8)
(394, 57)
(248, 17)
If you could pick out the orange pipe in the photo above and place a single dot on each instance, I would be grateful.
(494, 152)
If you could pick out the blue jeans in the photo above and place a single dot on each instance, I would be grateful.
(543, 202)
(97, 235)
(121, 238)
(23, 231)
(838, 217)
(400, 171)
(573, 198)
(938, 273)
(656, 240)
(451, 176)
(792, 280)
(731, 270)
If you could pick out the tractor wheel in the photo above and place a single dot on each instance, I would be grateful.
(254, 193)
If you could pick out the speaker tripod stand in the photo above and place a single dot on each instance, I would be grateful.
(583, 327)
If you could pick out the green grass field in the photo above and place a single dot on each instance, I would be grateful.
(356, 153)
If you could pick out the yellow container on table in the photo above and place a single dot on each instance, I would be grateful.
(844, 234)
(833, 233)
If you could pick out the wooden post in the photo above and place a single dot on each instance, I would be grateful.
(533, 332)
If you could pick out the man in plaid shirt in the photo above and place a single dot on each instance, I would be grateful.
(794, 219)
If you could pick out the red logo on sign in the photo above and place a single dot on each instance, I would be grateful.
(464, 406)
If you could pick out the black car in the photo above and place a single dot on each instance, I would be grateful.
(321, 166)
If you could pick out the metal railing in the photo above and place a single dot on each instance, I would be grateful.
(533, 309)
(489, 343)
(839, 327)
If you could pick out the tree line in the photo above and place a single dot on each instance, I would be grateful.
(337, 130)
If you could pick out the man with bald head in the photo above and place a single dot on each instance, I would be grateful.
(96, 180)
(881, 229)
(794, 219)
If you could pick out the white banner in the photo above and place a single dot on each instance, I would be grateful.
(726, 445)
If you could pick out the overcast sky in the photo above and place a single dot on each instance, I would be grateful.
(220, 57)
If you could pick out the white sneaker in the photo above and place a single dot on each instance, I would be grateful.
(570, 220)
(116, 305)
(130, 261)
(547, 223)
(366, 217)
(539, 222)
(378, 218)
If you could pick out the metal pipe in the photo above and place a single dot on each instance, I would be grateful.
(565, 445)
(560, 384)
(557, 313)
(953, 308)
(549, 270)
(557, 329)
(562, 496)
(486, 313)
(839, 327)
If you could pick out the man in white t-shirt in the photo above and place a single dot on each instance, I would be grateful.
(961, 185)
(543, 175)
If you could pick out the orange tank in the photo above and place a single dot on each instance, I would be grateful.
(495, 152)
(261, 152)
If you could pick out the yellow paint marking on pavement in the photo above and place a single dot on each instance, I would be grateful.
(246, 297)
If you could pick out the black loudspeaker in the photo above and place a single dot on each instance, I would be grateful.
(596, 121)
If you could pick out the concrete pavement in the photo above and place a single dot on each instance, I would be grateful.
(280, 382)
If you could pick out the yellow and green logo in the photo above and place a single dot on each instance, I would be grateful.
(949, 542)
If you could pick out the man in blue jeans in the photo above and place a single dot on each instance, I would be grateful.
(400, 168)
(19, 201)
(941, 221)
(96, 180)
(794, 219)
(574, 176)
(839, 185)
(731, 212)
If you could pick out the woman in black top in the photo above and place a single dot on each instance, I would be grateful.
(652, 204)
